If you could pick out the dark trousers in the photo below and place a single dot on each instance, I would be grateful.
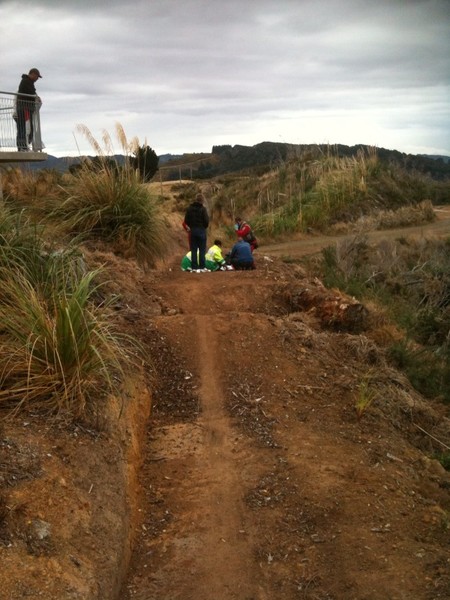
(198, 244)
(243, 265)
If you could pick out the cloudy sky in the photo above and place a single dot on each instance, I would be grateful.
(185, 75)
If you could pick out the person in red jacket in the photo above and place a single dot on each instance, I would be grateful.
(244, 231)
(188, 231)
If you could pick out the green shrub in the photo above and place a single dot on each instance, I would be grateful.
(444, 459)
(427, 370)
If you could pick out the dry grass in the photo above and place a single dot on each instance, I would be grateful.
(405, 216)
(54, 352)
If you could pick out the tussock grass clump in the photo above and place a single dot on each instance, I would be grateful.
(108, 201)
(57, 346)
(24, 250)
(55, 350)
(366, 394)
(37, 191)
(407, 216)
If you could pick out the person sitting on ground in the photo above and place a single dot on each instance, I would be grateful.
(214, 257)
(244, 231)
(186, 264)
(241, 257)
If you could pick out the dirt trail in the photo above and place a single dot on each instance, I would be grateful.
(258, 481)
(208, 543)
(311, 244)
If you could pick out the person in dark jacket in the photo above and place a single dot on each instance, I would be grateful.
(25, 108)
(241, 257)
(197, 220)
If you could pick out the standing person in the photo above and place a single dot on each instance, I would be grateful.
(241, 257)
(244, 231)
(197, 219)
(25, 108)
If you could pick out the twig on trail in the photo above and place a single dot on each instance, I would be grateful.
(313, 387)
(245, 398)
(293, 394)
(432, 436)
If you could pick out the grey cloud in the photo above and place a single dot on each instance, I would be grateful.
(229, 66)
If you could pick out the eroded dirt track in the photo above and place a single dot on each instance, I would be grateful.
(258, 480)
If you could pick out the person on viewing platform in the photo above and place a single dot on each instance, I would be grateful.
(25, 108)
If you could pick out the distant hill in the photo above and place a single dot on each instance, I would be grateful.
(442, 157)
(62, 164)
(262, 157)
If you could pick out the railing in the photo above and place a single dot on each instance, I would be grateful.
(20, 124)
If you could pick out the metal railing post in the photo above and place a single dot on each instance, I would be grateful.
(20, 123)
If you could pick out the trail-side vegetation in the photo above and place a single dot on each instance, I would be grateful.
(58, 341)
(318, 190)
(110, 203)
(411, 280)
(100, 200)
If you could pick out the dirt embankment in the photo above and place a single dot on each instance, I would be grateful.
(254, 478)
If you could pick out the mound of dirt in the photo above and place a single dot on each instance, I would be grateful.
(281, 458)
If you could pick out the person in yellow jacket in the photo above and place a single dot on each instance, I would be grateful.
(214, 257)
(214, 260)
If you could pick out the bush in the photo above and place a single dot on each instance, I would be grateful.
(427, 370)
(111, 204)
(146, 161)
(411, 279)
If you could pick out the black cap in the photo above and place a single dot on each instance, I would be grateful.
(35, 71)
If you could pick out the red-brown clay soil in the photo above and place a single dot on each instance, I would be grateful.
(252, 477)
(274, 489)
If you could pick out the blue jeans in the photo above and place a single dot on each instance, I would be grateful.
(198, 244)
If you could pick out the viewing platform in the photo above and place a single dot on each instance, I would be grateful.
(20, 129)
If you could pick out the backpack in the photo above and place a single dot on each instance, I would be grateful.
(250, 238)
